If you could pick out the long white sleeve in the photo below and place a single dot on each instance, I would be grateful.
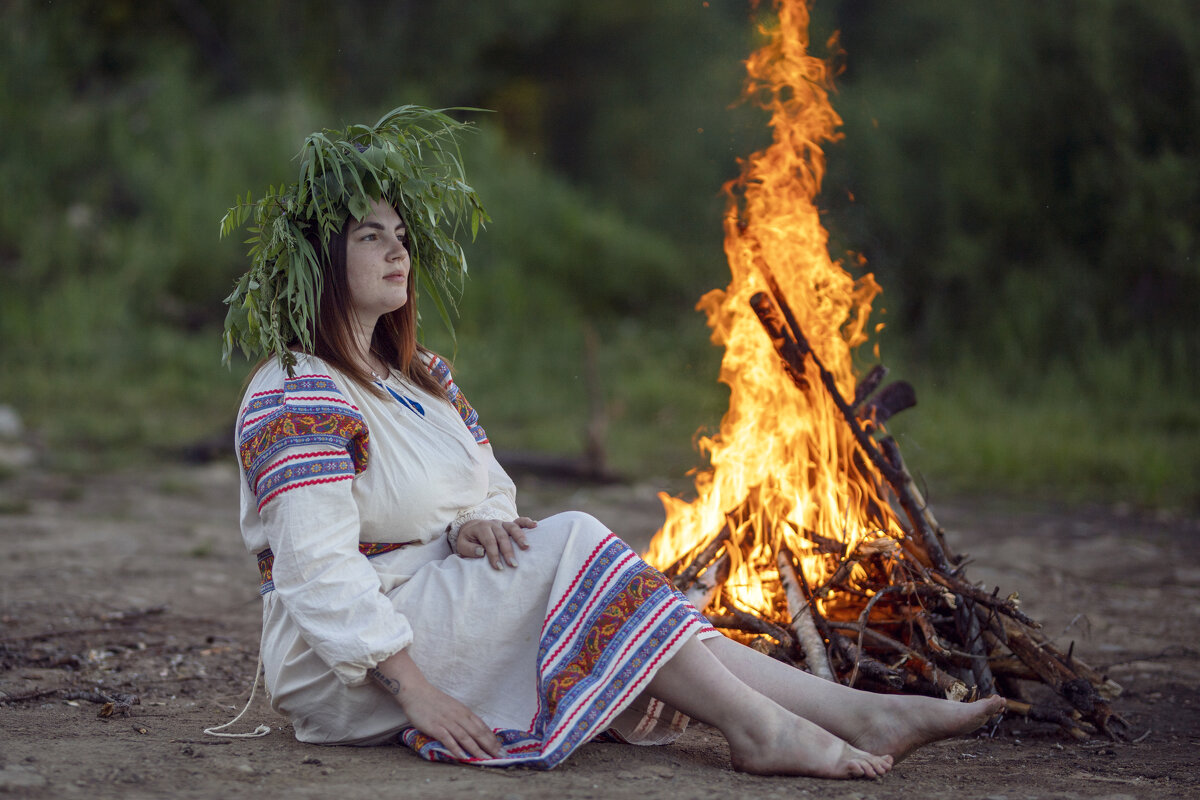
(302, 443)
(327, 586)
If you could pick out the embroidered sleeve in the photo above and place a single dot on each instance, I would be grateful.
(308, 433)
(301, 446)
(441, 373)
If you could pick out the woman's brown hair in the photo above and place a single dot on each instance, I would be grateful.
(394, 341)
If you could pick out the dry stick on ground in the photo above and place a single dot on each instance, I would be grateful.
(23, 698)
(112, 704)
(1078, 691)
(45, 635)
(1067, 720)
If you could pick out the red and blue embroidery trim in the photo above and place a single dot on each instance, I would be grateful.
(617, 622)
(441, 373)
(310, 411)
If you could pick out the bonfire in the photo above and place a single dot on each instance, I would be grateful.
(807, 537)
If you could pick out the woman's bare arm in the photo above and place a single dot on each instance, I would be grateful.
(432, 711)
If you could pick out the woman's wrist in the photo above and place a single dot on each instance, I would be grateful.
(398, 675)
(469, 547)
(455, 529)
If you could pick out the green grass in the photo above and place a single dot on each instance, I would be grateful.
(1114, 433)
(1115, 428)
(1056, 434)
(655, 387)
(127, 403)
(15, 506)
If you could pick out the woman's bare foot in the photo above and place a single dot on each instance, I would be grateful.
(906, 722)
(781, 743)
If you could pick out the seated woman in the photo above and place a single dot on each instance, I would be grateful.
(404, 596)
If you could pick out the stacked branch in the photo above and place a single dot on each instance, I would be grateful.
(896, 614)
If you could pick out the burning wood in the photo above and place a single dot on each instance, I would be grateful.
(801, 610)
(702, 592)
(1013, 650)
(808, 538)
(930, 633)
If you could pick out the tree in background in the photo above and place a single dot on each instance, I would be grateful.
(1024, 175)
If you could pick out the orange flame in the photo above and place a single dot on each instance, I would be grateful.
(784, 467)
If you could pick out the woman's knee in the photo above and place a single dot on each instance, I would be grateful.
(576, 521)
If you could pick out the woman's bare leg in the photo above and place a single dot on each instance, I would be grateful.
(885, 724)
(764, 737)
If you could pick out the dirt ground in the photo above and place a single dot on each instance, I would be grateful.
(137, 584)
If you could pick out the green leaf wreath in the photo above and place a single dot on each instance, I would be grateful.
(411, 158)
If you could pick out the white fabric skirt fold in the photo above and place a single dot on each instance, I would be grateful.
(550, 654)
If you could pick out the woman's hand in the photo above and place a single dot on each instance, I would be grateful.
(494, 539)
(434, 712)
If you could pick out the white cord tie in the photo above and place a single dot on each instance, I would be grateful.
(261, 730)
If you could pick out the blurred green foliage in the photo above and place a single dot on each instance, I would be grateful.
(1025, 174)
(1022, 178)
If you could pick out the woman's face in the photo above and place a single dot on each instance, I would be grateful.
(377, 265)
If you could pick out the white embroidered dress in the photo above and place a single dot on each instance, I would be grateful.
(549, 654)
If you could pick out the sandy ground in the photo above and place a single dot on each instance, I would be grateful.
(138, 584)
